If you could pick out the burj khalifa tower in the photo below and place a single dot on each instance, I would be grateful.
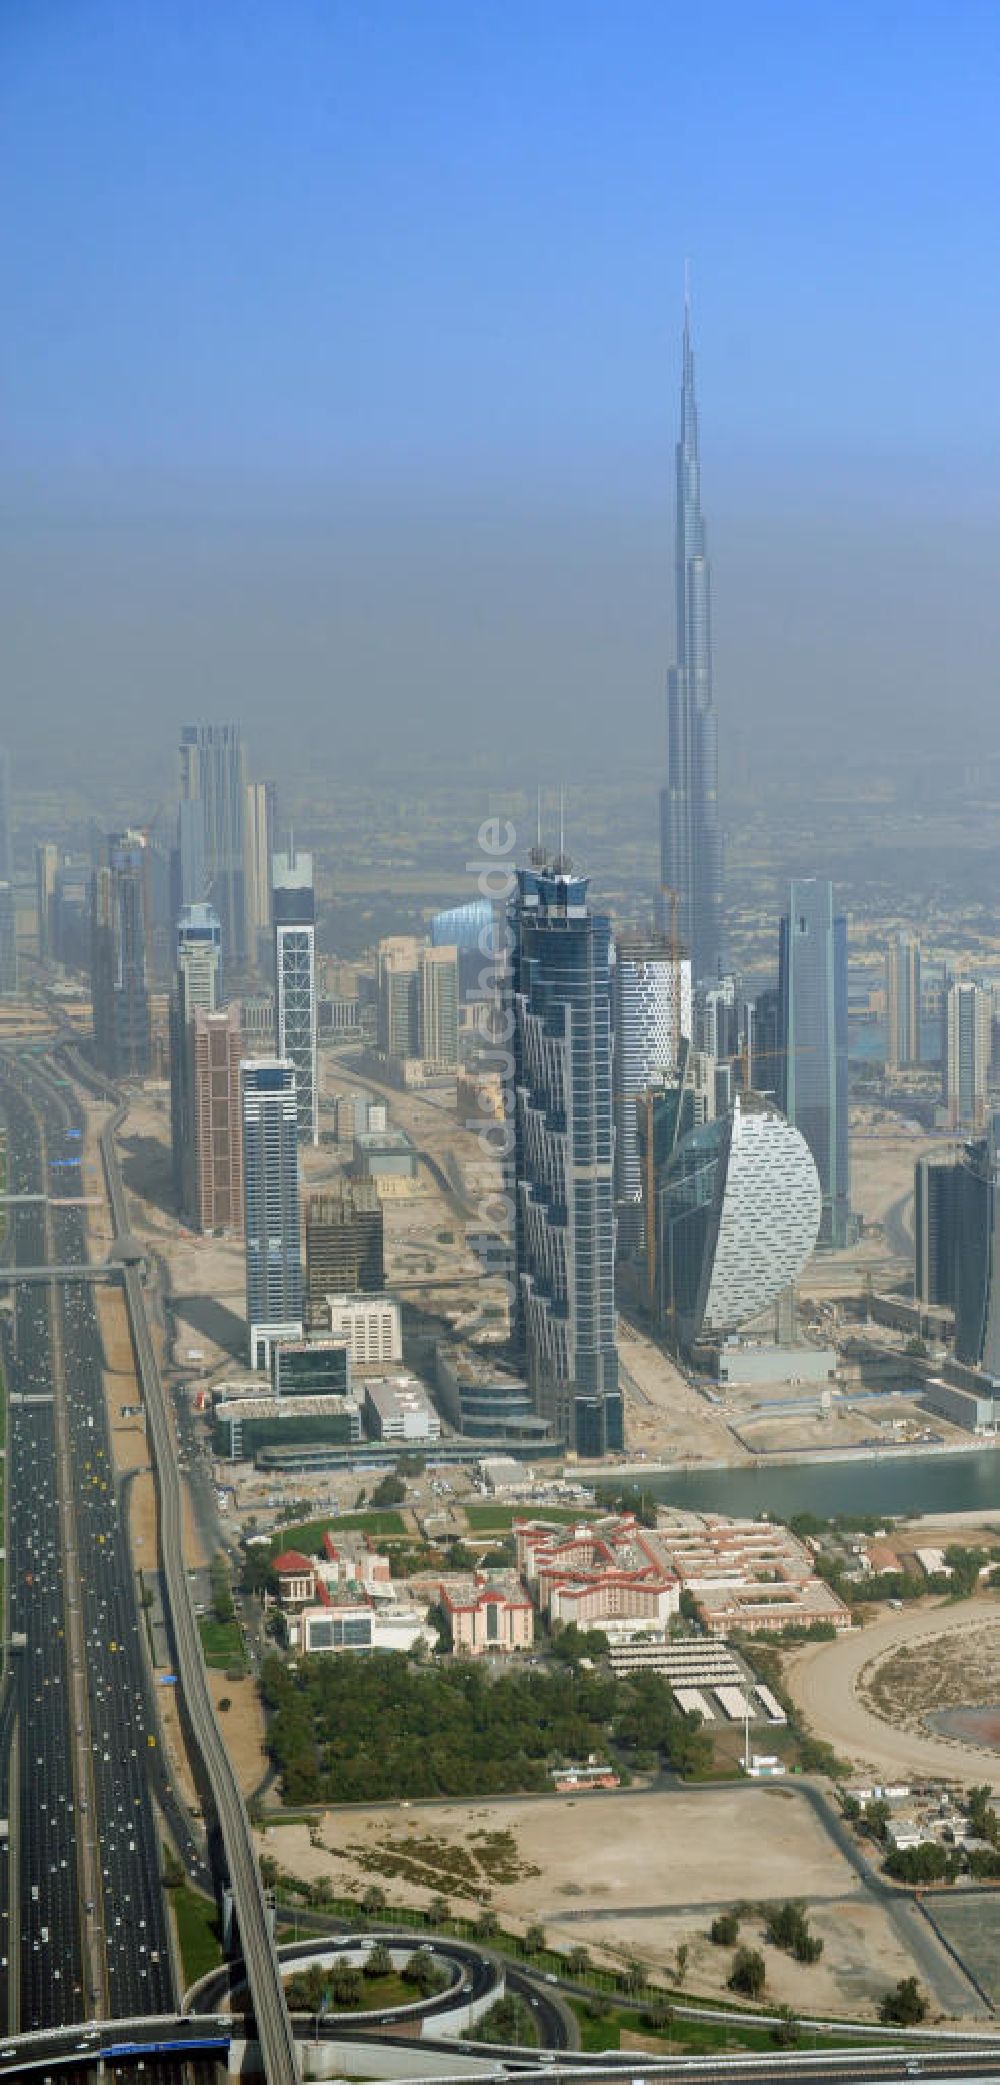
(690, 839)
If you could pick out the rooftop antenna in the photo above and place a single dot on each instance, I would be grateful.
(562, 862)
(537, 856)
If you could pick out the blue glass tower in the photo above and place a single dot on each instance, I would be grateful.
(690, 838)
(562, 1157)
(812, 1030)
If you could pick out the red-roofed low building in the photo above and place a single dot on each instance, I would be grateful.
(487, 1612)
(296, 1578)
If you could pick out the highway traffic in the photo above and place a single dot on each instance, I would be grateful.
(55, 1353)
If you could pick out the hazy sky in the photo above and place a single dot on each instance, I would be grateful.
(339, 367)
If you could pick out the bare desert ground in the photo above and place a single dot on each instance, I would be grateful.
(626, 1874)
(835, 1686)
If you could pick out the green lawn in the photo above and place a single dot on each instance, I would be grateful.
(221, 1643)
(309, 1534)
(197, 1922)
(697, 2037)
(378, 1995)
(487, 1518)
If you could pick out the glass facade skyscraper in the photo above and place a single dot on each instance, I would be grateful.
(213, 773)
(739, 1212)
(561, 1156)
(812, 1028)
(652, 1016)
(271, 1204)
(690, 837)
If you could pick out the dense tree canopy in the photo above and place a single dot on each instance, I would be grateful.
(356, 1729)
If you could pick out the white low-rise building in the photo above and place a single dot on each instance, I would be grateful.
(354, 1626)
(397, 1409)
(370, 1325)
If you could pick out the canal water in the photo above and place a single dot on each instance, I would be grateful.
(897, 1487)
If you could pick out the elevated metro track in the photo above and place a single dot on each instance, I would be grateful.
(275, 2033)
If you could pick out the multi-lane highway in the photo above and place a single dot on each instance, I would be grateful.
(78, 1718)
(43, 1969)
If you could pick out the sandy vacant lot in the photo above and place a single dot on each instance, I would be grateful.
(630, 1851)
(861, 1958)
(632, 1874)
(826, 1681)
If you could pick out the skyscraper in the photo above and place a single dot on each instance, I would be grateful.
(46, 872)
(438, 1036)
(8, 939)
(260, 835)
(119, 968)
(652, 1014)
(215, 1044)
(812, 1024)
(935, 1184)
(690, 838)
(902, 1001)
(396, 982)
(294, 905)
(213, 773)
(560, 1161)
(739, 1215)
(968, 1015)
(344, 1245)
(6, 827)
(197, 984)
(271, 1204)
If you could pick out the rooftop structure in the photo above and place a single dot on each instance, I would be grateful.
(597, 1571)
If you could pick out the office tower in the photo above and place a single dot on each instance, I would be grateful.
(213, 773)
(260, 832)
(977, 1252)
(191, 880)
(344, 1245)
(294, 906)
(560, 1161)
(197, 983)
(216, 1049)
(765, 1060)
(396, 982)
(46, 872)
(739, 1216)
(119, 959)
(812, 1021)
(902, 1001)
(438, 1027)
(8, 939)
(651, 1000)
(6, 825)
(934, 1185)
(690, 838)
(271, 1204)
(198, 959)
(968, 1015)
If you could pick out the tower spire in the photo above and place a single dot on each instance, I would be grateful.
(690, 841)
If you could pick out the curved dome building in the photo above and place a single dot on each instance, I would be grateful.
(739, 1215)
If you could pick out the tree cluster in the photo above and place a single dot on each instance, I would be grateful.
(788, 1928)
(454, 1730)
(905, 2006)
(748, 1973)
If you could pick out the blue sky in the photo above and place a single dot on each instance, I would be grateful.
(364, 263)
